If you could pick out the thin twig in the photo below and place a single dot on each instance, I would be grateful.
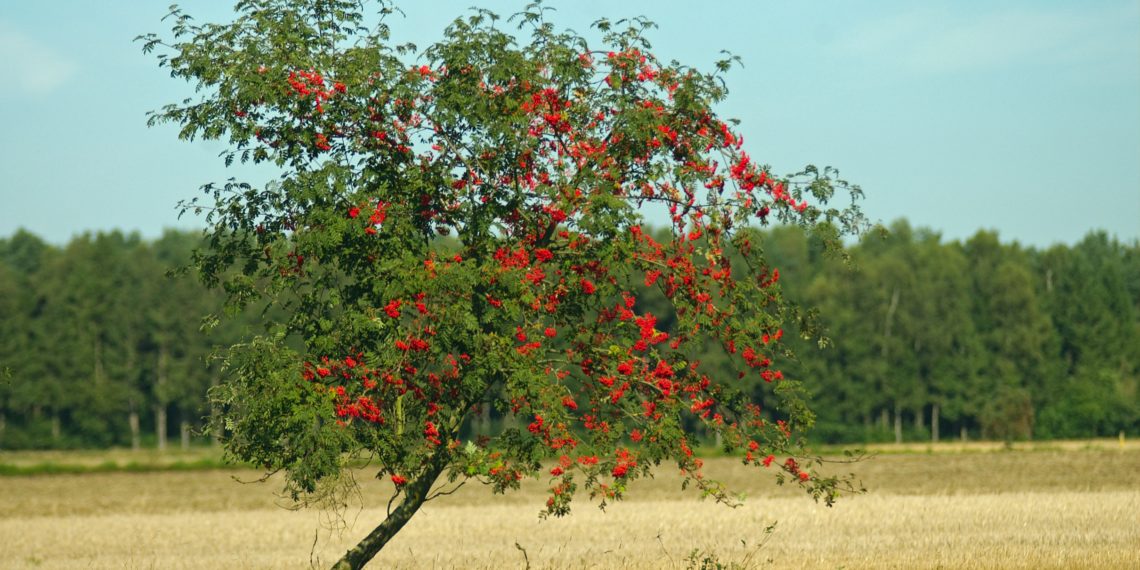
(672, 562)
(316, 534)
(445, 493)
(392, 499)
(525, 557)
(261, 479)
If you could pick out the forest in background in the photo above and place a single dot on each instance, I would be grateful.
(101, 344)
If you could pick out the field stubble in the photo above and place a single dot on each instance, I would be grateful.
(1040, 509)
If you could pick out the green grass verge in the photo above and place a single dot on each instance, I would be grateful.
(18, 464)
(54, 468)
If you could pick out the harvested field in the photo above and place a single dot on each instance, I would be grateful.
(1020, 509)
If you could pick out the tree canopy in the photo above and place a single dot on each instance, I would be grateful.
(464, 226)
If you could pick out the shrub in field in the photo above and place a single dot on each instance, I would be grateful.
(463, 226)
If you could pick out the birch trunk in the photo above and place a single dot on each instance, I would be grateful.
(934, 423)
(898, 424)
(185, 429)
(136, 437)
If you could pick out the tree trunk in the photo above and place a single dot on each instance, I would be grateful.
(98, 361)
(890, 383)
(415, 494)
(185, 428)
(56, 430)
(216, 426)
(160, 398)
(898, 424)
(136, 439)
(934, 423)
(484, 419)
(160, 426)
(964, 434)
(890, 317)
(919, 416)
(3, 427)
(885, 419)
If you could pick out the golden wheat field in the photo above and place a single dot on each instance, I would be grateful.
(1072, 506)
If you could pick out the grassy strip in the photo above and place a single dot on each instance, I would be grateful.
(53, 468)
(79, 462)
(954, 447)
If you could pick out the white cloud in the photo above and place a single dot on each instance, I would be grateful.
(941, 39)
(33, 67)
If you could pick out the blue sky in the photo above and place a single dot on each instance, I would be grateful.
(1021, 117)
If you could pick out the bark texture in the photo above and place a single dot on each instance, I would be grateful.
(415, 494)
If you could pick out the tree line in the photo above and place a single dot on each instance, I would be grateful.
(102, 341)
(101, 347)
(971, 339)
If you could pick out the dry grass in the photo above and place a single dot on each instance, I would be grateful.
(1042, 509)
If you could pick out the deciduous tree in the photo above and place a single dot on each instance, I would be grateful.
(464, 225)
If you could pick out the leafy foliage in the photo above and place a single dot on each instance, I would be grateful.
(469, 230)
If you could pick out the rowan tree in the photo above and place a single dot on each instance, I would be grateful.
(466, 225)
